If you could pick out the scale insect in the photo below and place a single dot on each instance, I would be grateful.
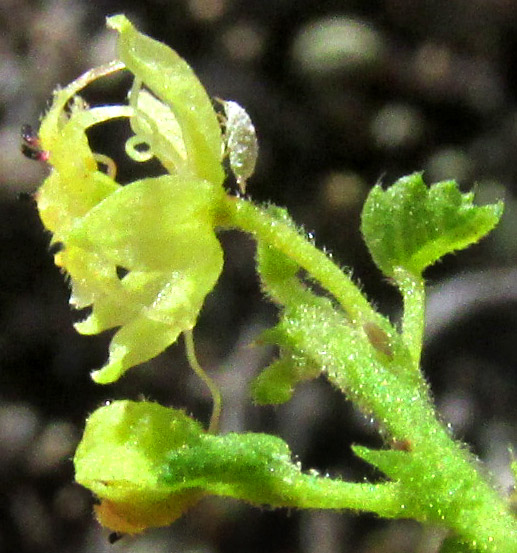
(241, 142)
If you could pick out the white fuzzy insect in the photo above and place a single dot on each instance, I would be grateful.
(241, 142)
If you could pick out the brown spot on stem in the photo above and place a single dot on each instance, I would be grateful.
(378, 339)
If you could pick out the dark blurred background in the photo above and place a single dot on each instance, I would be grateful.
(343, 94)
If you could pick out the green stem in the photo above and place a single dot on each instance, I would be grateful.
(439, 482)
(313, 492)
(442, 482)
(482, 521)
(413, 292)
(253, 219)
(211, 385)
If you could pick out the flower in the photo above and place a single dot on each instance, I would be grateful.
(143, 256)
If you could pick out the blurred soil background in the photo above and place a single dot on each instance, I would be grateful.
(343, 94)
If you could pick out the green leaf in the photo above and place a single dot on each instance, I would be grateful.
(411, 226)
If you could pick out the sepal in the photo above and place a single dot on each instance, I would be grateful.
(120, 457)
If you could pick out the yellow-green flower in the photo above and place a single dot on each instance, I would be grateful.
(143, 256)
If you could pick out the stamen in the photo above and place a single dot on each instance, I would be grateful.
(109, 164)
(132, 149)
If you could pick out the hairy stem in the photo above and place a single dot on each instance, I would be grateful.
(251, 218)
(413, 292)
